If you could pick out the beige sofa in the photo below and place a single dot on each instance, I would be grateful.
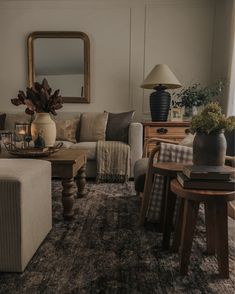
(135, 140)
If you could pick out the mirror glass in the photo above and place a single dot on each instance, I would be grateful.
(63, 59)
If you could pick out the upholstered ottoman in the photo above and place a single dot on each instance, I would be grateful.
(25, 210)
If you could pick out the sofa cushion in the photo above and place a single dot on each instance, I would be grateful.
(65, 115)
(91, 146)
(118, 126)
(66, 129)
(93, 126)
(2, 121)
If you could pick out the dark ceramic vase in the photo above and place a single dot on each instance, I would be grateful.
(209, 149)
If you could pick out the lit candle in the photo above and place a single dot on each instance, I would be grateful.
(22, 132)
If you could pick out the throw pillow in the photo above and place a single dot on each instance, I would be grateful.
(2, 121)
(66, 130)
(93, 126)
(118, 126)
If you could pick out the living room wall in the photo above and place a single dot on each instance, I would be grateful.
(128, 37)
(222, 44)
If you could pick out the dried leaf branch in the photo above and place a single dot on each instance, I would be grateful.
(39, 98)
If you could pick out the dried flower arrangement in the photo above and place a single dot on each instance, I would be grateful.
(212, 120)
(39, 98)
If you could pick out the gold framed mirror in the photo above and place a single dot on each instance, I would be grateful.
(63, 58)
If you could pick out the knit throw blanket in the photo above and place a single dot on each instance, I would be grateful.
(167, 153)
(113, 159)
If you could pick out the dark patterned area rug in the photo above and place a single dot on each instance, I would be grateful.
(104, 251)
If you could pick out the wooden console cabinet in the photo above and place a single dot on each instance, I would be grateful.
(175, 131)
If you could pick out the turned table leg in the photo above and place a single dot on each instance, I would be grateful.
(81, 181)
(68, 197)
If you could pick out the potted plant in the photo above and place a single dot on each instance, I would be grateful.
(196, 95)
(40, 100)
(209, 145)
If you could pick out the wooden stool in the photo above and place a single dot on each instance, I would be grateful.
(216, 214)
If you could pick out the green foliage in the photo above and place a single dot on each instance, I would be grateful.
(211, 120)
(196, 95)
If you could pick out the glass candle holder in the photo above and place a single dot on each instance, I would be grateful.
(22, 134)
(6, 140)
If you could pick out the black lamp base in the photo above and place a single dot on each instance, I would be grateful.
(160, 104)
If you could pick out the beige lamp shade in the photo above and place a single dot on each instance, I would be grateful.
(161, 75)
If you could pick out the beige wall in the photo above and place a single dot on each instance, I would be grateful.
(128, 37)
(231, 71)
(223, 45)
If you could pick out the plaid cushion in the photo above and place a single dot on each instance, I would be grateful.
(167, 153)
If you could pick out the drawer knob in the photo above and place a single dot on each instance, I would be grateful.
(162, 131)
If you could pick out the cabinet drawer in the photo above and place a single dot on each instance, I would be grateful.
(166, 132)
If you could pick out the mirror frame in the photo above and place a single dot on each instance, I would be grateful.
(63, 35)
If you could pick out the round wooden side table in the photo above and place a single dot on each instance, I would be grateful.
(216, 215)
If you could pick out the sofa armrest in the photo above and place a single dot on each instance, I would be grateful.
(135, 142)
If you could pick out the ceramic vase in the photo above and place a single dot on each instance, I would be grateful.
(209, 149)
(44, 126)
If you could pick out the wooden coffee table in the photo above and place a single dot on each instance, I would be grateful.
(66, 164)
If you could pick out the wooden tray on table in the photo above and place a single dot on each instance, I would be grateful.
(31, 152)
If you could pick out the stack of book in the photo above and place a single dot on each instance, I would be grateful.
(207, 177)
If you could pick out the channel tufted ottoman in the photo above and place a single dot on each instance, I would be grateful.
(25, 210)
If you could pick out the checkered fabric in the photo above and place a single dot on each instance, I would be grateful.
(167, 153)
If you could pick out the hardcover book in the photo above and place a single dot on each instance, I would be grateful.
(207, 172)
(187, 183)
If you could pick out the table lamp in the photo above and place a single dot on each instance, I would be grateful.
(160, 79)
